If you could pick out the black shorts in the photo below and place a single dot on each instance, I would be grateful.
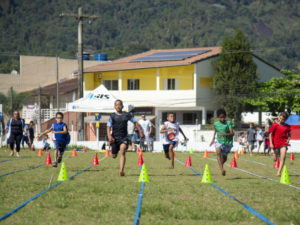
(115, 146)
(25, 140)
(60, 146)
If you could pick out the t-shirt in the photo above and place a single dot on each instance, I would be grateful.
(251, 134)
(1, 120)
(62, 138)
(16, 126)
(280, 134)
(25, 131)
(174, 126)
(224, 128)
(259, 135)
(31, 132)
(145, 124)
(118, 123)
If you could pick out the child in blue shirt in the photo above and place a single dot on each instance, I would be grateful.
(61, 137)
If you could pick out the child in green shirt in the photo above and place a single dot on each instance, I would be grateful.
(223, 142)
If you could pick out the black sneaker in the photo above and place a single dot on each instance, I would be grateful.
(54, 164)
(59, 159)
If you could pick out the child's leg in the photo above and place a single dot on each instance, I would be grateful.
(282, 160)
(220, 159)
(171, 156)
(275, 155)
(123, 148)
(55, 155)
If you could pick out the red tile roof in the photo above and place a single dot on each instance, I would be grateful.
(125, 64)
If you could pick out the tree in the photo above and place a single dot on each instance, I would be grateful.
(279, 94)
(235, 75)
(19, 99)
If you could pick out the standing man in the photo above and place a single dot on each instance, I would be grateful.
(147, 129)
(16, 127)
(250, 138)
(2, 129)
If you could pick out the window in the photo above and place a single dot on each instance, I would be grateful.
(170, 84)
(190, 118)
(111, 84)
(133, 84)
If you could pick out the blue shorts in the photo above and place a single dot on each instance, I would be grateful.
(60, 146)
(131, 137)
(225, 149)
(167, 146)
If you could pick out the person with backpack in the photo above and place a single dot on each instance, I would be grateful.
(61, 137)
(15, 128)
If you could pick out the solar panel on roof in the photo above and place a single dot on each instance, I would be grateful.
(169, 56)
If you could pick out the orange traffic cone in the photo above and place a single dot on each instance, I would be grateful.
(84, 150)
(188, 162)
(74, 154)
(205, 154)
(174, 153)
(40, 153)
(141, 153)
(243, 151)
(236, 155)
(277, 163)
(95, 160)
(233, 163)
(140, 161)
(48, 159)
(292, 157)
(107, 153)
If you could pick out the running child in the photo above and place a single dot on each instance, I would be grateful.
(223, 142)
(61, 137)
(280, 134)
(171, 130)
(117, 132)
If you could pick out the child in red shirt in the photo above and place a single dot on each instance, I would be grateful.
(280, 134)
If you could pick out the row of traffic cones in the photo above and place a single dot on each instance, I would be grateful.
(143, 174)
(206, 178)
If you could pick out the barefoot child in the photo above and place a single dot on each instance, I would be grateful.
(117, 132)
(280, 134)
(171, 131)
(223, 142)
(61, 137)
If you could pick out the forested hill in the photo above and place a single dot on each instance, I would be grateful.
(125, 27)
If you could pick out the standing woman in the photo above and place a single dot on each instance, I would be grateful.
(15, 132)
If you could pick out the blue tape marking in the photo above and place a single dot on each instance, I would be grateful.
(38, 195)
(139, 204)
(257, 214)
(7, 160)
(18, 171)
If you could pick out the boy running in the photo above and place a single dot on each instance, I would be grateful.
(171, 130)
(223, 142)
(61, 137)
(280, 134)
(117, 132)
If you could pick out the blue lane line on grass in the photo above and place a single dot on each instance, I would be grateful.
(139, 204)
(18, 171)
(38, 195)
(256, 175)
(255, 213)
(7, 160)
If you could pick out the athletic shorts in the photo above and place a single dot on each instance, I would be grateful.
(115, 146)
(251, 143)
(60, 146)
(225, 149)
(260, 142)
(25, 139)
(282, 147)
(167, 146)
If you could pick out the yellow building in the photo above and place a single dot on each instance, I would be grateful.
(159, 81)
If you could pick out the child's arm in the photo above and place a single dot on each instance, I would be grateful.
(164, 130)
(108, 131)
(289, 137)
(185, 138)
(271, 141)
(227, 134)
(138, 127)
(213, 139)
(45, 132)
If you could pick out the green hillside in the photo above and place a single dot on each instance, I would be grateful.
(33, 27)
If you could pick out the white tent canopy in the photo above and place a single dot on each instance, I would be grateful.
(99, 100)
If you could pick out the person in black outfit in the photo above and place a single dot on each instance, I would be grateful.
(15, 131)
(117, 132)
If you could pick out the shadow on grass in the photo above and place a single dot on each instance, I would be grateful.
(243, 178)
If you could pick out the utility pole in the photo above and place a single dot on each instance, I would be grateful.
(80, 17)
(57, 85)
(11, 102)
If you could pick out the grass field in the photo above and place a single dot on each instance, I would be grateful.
(100, 196)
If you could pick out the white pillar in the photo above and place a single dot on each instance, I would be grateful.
(157, 79)
(74, 96)
(120, 81)
(203, 115)
(51, 106)
(157, 124)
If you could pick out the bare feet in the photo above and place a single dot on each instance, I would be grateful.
(11, 154)
(17, 154)
(223, 172)
(122, 174)
(171, 167)
(278, 174)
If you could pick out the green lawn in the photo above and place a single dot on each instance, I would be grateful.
(100, 196)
